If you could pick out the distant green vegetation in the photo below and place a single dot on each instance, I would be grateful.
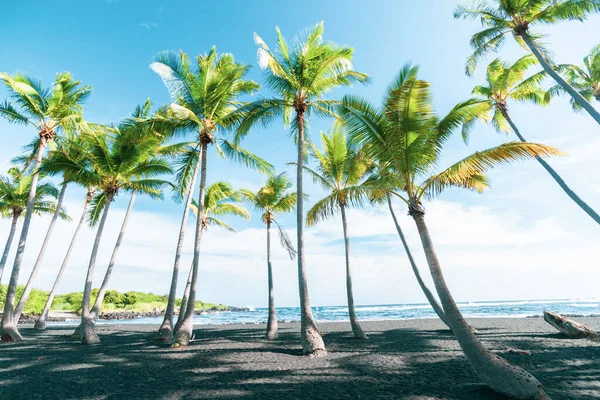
(113, 301)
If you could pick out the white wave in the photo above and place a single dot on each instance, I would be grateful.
(585, 305)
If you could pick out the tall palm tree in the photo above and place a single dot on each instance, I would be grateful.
(407, 136)
(341, 170)
(501, 17)
(119, 161)
(49, 111)
(273, 198)
(300, 79)
(505, 82)
(14, 193)
(204, 97)
(586, 79)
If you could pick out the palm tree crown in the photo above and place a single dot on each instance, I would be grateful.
(341, 167)
(275, 197)
(586, 79)
(220, 200)
(46, 109)
(500, 17)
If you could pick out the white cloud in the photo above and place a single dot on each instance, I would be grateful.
(149, 25)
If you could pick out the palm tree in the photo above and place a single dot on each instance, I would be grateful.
(341, 169)
(273, 198)
(500, 17)
(301, 78)
(69, 151)
(407, 136)
(204, 100)
(505, 82)
(219, 201)
(14, 192)
(119, 160)
(586, 79)
(49, 111)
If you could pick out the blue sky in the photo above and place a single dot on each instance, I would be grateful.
(522, 239)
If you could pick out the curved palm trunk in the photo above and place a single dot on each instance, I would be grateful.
(183, 335)
(9, 329)
(582, 204)
(184, 300)
(11, 235)
(272, 320)
(86, 330)
(312, 342)
(113, 259)
(356, 329)
(496, 372)
(430, 296)
(577, 97)
(40, 258)
(165, 332)
(41, 322)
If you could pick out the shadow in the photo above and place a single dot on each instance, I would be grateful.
(403, 360)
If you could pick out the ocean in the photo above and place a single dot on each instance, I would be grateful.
(478, 309)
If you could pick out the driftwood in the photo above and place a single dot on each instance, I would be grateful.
(518, 351)
(570, 328)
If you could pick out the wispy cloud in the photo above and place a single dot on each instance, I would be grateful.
(149, 25)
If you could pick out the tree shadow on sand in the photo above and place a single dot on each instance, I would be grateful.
(237, 363)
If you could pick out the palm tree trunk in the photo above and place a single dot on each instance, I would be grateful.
(430, 296)
(41, 322)
(356, 329)
(272, 320)
(38, 262)
(183, 335)
(9, 331)
(577, 97)
(312, 342)
(184, 300)
(582, 204)
(113, 259)
(86, 330)
(165, 332)
(496, 372)
(11, 235)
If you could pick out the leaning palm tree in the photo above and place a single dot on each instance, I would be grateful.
(300, 79)
(501, 17)
(14, 193)
(118, 161)
(204, 97)
(273, 198)
(69, 151)
(505, 82)
(407, 136)
(586, 79)
(341, 170)
(49, 111)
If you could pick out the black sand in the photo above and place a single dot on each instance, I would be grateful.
(416, 359)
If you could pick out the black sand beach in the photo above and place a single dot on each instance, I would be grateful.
(414, 359)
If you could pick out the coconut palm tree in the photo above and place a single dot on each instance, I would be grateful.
(586, 79)
(204, 97)
(341, 170)
(407, 136)
(14, 192)
(505, 82)
(69, 151)
(119, 160)
(501, 17)
(272, 199)
(49, 111)
(300, 78)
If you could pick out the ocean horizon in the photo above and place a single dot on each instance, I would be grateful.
(379, 312)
